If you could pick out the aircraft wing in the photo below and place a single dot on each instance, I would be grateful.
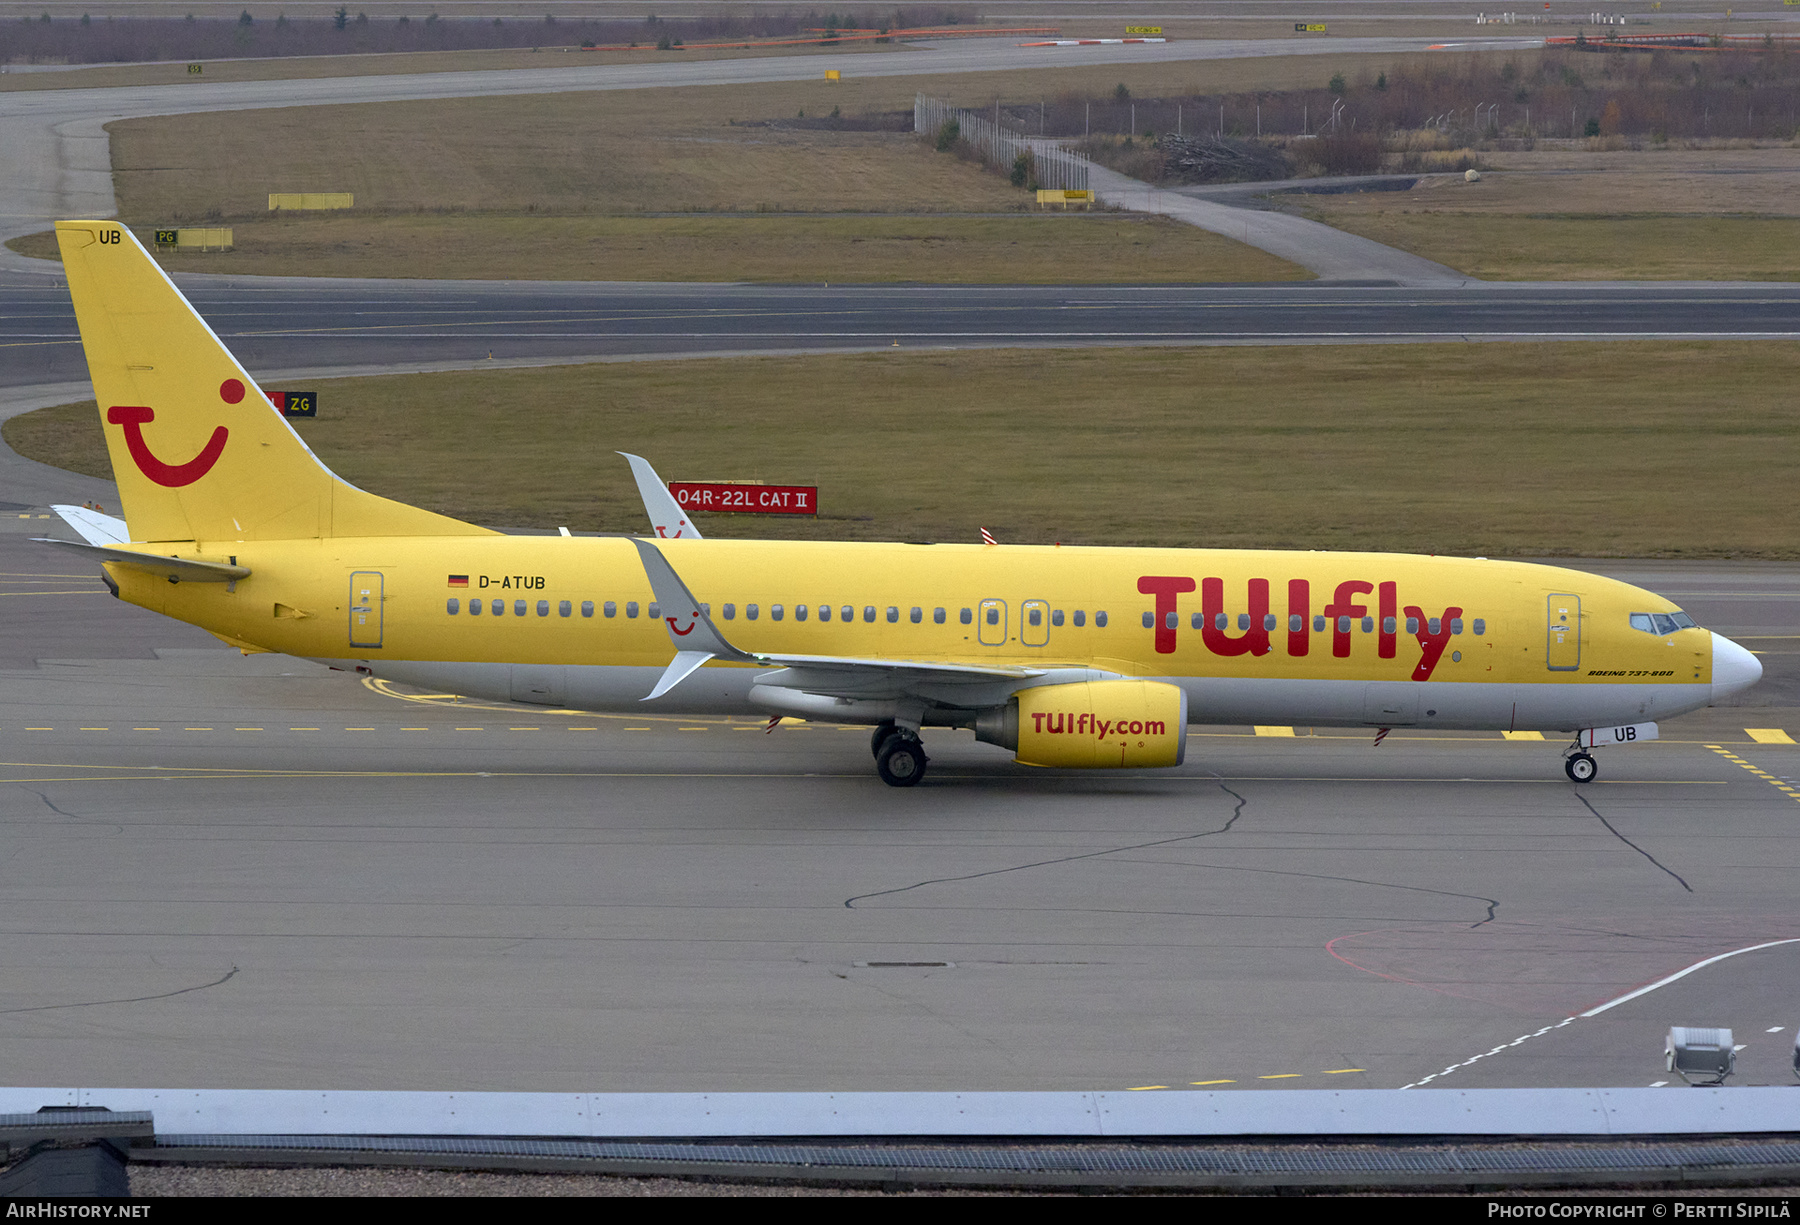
(698, 640)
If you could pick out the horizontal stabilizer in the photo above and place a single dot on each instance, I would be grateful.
(175, 569)
(95, 528)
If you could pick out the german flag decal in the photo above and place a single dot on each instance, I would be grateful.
(459, 580)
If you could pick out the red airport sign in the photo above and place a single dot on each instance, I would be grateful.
(724, 496)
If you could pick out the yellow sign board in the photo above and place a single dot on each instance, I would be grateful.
(1064, 197)
(193, 70)
(833, 74)
(311, 199)
(202, 238)
(1301, 27)
(1143, 29)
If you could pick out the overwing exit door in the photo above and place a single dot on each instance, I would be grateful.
(1563, 650)
(365, 608)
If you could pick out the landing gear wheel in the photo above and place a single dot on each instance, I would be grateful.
(879, 738)
(901, 762)
(1580, 768)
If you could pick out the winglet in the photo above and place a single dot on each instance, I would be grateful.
(680, 668)
(667, 519)
(690, 629)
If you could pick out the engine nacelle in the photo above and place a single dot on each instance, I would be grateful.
(1092, 725)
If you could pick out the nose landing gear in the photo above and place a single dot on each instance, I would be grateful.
(1580, 767)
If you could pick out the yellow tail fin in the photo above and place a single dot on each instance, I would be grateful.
(198, 451)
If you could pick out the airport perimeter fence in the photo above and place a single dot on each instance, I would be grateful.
(1056, 167)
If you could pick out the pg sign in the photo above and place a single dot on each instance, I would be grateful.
(733, 498)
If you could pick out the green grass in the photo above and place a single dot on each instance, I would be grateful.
(1592, 248)
(1623, 449)
(1047, 248)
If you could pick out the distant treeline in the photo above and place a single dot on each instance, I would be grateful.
(1557, 93)
(110, 40)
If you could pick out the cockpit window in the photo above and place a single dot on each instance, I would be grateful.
(1662, 623)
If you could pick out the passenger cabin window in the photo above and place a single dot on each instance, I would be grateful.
(868, 612)
(894, 615)
(565, 609)
(731, 612)
(1480, 626)
(918, 614)
(1080, 618)
(1387, 625)
(751, 612)
(1221, 621)
(1343, 625)
(1456, 625)
(937, 616)
(968, 616)
(631, 608)
(518, 608)
(543, 608)
(474, 608)
(775, 612)
(1368, 625)
(1412, 625)
(587, 608)
(1319, 624)
(454, 606)
(498, 608)
(1269, 622)
(1296, 623)
(1172, 620)
(847, 613)
(1149, 620)
(1056, 617)
(655, 610)
(1100, 620)
(824, 612)
(800, 612)
(611, 609)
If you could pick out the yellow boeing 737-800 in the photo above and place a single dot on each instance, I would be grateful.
(1069, 657)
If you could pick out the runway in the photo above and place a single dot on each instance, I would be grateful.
(351, 327)
(250, 872)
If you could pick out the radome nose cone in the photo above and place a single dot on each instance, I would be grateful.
(1734, 668)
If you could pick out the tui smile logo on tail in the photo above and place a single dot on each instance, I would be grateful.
(171, 476)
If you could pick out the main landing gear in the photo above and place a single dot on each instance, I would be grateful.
(1580, 767)
(899, 757)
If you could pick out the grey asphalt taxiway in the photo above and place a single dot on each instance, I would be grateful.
(252, 872)
(328, 326)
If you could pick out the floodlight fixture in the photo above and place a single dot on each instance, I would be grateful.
(1700, 1056)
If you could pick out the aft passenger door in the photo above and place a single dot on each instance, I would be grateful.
(1562, 652)
(365, 608)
